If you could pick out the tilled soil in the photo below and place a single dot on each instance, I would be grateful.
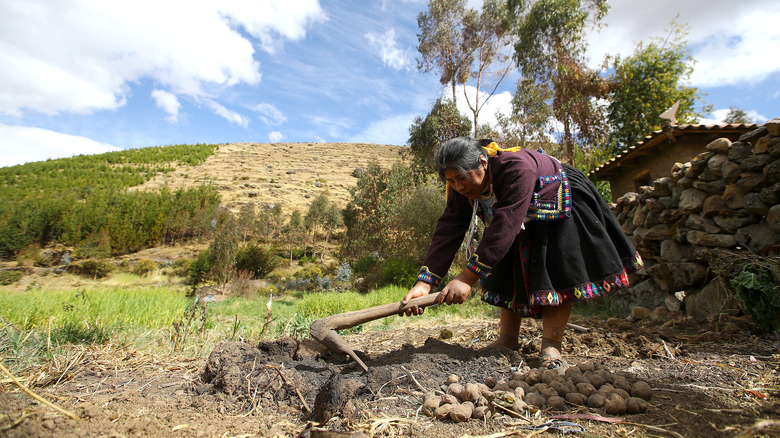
(719, 379)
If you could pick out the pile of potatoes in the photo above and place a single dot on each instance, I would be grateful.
(587, 384)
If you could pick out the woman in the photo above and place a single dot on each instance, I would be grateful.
(550, 239)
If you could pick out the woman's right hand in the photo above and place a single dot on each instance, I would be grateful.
(420, 289)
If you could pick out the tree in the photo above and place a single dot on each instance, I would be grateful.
(550, 52)
(464, 45)
(647, 83)
(440, 40)
(737, 116)
(443, 123)
(324, 215)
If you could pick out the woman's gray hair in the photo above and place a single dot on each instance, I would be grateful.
(460, 154)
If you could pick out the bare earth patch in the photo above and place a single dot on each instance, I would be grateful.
(707, 380)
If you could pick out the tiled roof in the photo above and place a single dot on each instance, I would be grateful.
(652, 141)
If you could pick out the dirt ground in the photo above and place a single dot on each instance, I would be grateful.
(708, 380)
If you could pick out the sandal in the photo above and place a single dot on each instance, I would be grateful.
(550, 362)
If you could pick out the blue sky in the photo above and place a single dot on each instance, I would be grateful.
(88, 76)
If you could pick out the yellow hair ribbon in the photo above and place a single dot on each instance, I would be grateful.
(492, 149)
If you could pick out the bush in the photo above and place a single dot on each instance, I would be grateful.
(10, 277)
(92, 268)
(144, 267)
(241, 285)
(181, 267)
(199, 269)
(76, 333)
(365, 265)
(758, 292)
(400, 272)
(256, 260)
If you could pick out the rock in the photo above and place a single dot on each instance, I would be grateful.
(771, 194)
(698, 164)
(757, 237)
(739, 151)
(672, 251)
(639, 313)
(660, 188)
(707, 239)
(672, 303)
(640, 214)
(754, 134)
(736, 219)
(715, 187)
(773, 218)
(696, 222)
(754, 204)
(773, 126)
(658, 232)
(660, 313)
(772, 172)
(730, 171)
(671, 277)
(733, 196)
(748, 182)
(762, 145)
(691, 201)
(713, 205)
(719, 145)
(755, 163)
(710, 301)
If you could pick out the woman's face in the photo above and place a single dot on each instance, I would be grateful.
(471, 185)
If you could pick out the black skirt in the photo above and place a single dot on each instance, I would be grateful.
(561, 261)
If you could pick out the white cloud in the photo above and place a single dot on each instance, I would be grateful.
(167, 102)
(388, 49)
(269, 114)
(275, 136)
(21, 144)
(79, 56)
(500, 102)
(229, 115)
(730, 44)
(392, 130)
(719, 115)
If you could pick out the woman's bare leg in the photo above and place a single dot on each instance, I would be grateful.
(508, 329)
(554, 319)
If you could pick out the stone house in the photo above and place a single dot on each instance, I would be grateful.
(654, 156)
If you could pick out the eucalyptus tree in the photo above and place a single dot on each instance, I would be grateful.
(550, 53)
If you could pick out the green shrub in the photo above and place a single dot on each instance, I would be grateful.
(10, 277)
(364, 264)
(92, 268)
(400, 272)
(71, 332)
(95, 246)
(758, 290)
(144, 267)
(199, 269)
(256, 260)
(181, 267)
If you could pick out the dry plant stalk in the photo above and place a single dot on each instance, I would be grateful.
(36, 396)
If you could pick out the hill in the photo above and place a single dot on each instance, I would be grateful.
(288, 173)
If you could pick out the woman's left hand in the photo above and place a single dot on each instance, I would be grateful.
(457, 290)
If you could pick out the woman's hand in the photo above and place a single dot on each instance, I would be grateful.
(459, 288)
(420, 289)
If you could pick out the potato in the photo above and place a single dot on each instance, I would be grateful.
(608, 377)
(461, 412)
(586, 366)
(621, 383)
(586, 389)
(455, 389)
(442, 411)
(520, 392)
(578, 378)
(560, 388)
(481, 413)
(595, 379)
(514, 383)
(635, 405)
(501, 386)
(430, 404)
(556, 403)
(606, 389)
(570, 387)
(642, 390)
(526, 387)
(596, 401)
(615, 405)
(517, 375)
(519, 406)
(535, 399)
(490, 381)
(549, 375)
(572, 371)
(549, 392)
(533, 377)
(449, 399)
(471, 392)
(452, 379)
(482, 401)
(576, 398)
(489, 395)
(622, 393)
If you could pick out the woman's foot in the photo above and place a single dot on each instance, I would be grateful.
(504, 342)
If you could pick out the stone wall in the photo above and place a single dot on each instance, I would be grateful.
(722, 205)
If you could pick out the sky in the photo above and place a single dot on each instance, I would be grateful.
(91, 76)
